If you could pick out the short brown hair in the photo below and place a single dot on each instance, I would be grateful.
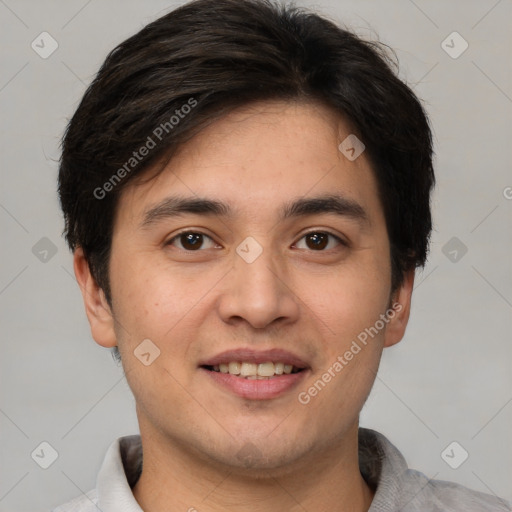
(217, 55)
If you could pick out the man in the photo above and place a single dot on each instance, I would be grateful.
(246, 189)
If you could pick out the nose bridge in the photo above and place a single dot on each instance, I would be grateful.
(257, 289)
(260, 271)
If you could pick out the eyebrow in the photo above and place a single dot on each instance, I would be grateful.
(176, 206)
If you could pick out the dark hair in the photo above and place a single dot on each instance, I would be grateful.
(191, 66)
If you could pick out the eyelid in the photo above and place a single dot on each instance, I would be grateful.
(338, 238)
(185, 231)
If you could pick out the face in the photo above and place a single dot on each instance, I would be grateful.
(257, 286)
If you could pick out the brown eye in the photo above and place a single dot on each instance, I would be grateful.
(319, 240)
(190, 240)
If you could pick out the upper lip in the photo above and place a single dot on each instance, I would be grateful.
(248, 355)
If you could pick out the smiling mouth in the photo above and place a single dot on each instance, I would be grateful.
(254, 371)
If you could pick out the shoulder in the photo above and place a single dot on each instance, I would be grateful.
(444, 496)
(397, 487)
(119, 471)
(86, 503)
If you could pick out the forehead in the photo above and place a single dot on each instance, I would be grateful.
(256, 159)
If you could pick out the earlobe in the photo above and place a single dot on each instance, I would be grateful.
(399, 314)
(96, 305)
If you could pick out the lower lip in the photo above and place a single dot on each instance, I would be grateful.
(254, 389)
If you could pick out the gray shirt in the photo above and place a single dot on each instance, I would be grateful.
(397, 488)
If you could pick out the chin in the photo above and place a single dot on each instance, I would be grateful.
(257, 458)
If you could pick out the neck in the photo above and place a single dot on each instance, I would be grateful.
(175, 479)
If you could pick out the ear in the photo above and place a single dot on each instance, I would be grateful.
(401, 306)
(96, 306)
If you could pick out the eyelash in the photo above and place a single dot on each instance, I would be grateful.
(186, 232)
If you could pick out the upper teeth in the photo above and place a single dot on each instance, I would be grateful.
(253, 369)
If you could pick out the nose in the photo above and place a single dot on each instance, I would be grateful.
(259, 293)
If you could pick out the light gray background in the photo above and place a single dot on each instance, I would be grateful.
(450, 379)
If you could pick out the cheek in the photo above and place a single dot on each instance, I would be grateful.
(152, 308)
(144, 300)
(157, 303)
(348, 300)
(356, 302)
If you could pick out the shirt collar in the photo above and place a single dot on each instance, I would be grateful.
(384, 469)
(118, 474)
(380, 463)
